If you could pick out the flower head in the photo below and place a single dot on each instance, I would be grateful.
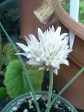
(49, 51)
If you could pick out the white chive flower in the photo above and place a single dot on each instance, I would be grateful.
(51, 49)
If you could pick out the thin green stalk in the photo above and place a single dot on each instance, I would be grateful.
(66, 86)
(24, 68)
(50, 88)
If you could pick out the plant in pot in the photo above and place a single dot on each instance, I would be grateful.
(47, 53)
(2, 69)
(76, 57)
(44, 44)
(7, 54)
(9, 61)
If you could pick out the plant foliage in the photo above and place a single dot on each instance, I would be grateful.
(15, 80)
(2, 58)
(3, 92)
(9, 52)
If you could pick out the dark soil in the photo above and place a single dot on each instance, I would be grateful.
(29, 106)
(4, 102)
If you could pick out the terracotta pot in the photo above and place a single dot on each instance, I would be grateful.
(29, 24)
(28, 21)
(76, 91)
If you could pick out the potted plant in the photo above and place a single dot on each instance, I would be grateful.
(7, 54)
(25, 103)
(24, 30)
(76, 58)
(43, 62)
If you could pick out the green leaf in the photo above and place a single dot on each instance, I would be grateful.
(36, 77)
(14, 79)
(3, 92)
(9, 52)
(16, 82)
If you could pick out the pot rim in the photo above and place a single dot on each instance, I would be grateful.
(73, 26)
(69, 22)
(28, 95)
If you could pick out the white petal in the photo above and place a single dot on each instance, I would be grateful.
(23, 47)
(24, 54)
(55, 71)
(55, 65)
(64, 61)
(40, 34)
(27, 40)
(34, 63)
(30, 55)
(47, 63)
(64, 35)
(33, 40)
(58, 31)
(52, 29)
(32, 37)
(37, 59)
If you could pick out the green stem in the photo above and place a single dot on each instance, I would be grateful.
(50, 88)
(24, 68)
(66, 86)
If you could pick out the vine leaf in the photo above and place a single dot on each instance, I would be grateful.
(15, 80)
